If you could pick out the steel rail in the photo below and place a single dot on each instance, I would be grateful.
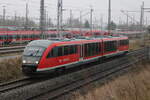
(4, 87)
(16, 49)
(14, 84)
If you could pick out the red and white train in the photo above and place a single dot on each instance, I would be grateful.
(41, 56)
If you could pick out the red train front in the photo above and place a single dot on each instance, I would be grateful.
(43, 56)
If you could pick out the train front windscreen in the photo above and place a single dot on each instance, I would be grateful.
(32, 55)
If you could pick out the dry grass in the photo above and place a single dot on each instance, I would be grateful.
(11, 54)
(134, 44)
(138, 43)
(133, 86)
(10, 69)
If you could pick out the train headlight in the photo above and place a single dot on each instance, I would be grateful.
(24, 61)
(36, 62)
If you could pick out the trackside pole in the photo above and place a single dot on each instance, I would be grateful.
(148, 52)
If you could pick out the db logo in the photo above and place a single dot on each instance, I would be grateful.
(60, 61)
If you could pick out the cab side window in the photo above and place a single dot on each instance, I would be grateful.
(53, 53)
(60, 51)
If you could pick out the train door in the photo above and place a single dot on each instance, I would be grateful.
(81, 52)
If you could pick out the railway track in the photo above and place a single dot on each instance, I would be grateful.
(19, 83)
(14, 84)
(57, 87)
(7, 50)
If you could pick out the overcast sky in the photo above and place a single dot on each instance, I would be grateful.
(100, 8)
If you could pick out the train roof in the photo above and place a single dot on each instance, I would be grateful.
(46, 43)
(41, 43)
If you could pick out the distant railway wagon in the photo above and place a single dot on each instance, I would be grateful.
(7, 37)
(43, 56)
(130, 34)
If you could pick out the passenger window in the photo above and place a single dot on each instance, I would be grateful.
(66, 50)
(124, 42)
(92, 49)
(73, 49)
(62, 51)
(110, 46)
